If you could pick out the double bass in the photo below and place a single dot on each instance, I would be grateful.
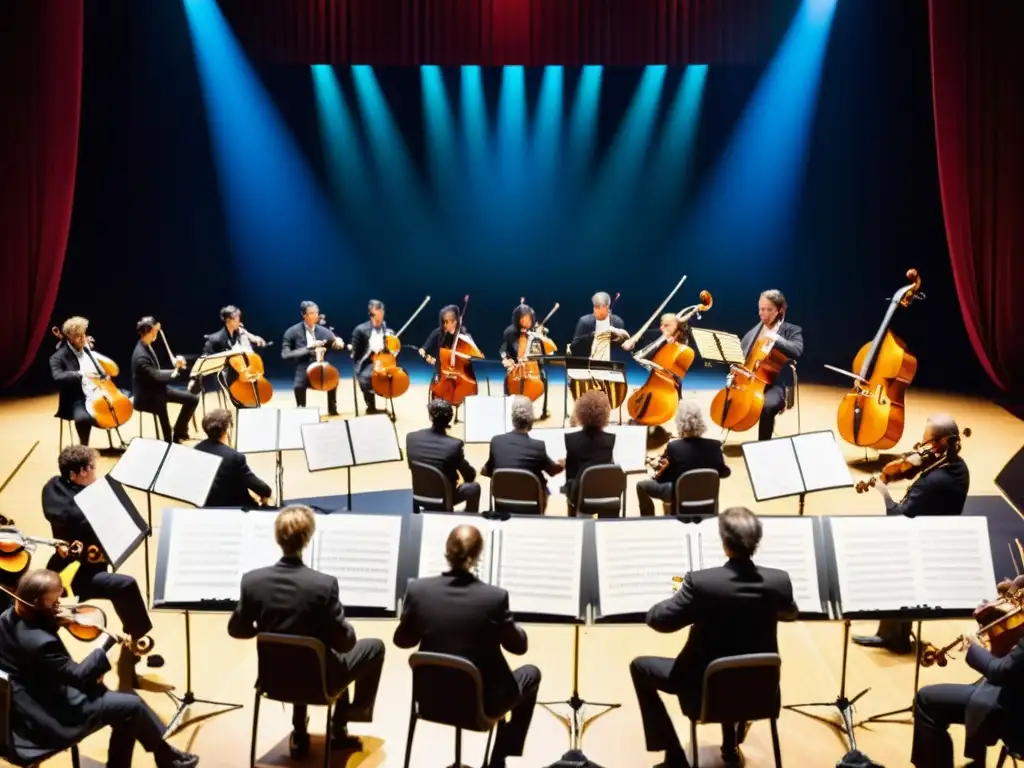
(387, 378)
(323, 376)
(108, 406)
(738, 405)
(524, 377)
(455, 381)
(872, 414)
(251, 388)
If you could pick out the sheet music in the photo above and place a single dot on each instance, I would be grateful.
(874, 563)
(955, 568)
(636, 561)
(138, 465)
(110, 521)
(290, 427)
(205, 555)
(822, 464)
(361, 552)
(630, 451)
(434, 535)
(326, 445)
(554, 441)
(732, 347)
(374, 439)
(259, 545)
(595, 374)
(187, 474)
(486, 416)
(539, 564)
(773, 468)
(257, 430)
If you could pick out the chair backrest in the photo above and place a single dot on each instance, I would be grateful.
(600, 490)
(696, 493)
(292, 669)
(516, 490)
(5, 715)
(740, 689)
(430, 488)
(449, 690)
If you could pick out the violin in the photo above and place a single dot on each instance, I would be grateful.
(872, 413)
(668, 360)
(387, 378)
(107, 404)
(16, 549)
(322, 375)
(524, 377)
(455, 381)
(251, 388)
(907, 466)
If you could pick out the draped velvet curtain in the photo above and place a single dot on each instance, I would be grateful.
(40, 90)
(978, 93)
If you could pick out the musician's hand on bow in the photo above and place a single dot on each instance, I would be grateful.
(179, 362)
(338, 344)
(628, 344)
(256, 341)
(507, 362)
(91, 375)
(771, 335)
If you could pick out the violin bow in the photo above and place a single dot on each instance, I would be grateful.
(20, 465)
(548, 317)
(458, 331)
(413, 316)
(643, 329)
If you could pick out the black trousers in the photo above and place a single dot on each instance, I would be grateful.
(469, 493)
(935, 709)
(364, 375)
(647, 490)
(131, 720)
(895, 633)
(774, 402)
(332, 398)
(511, 735)
(188, 402)
(363, 665)
(122, 591)
(83, 422)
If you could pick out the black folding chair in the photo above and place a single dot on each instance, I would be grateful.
(7, 742)
(517, 491)
(430, 489)
(601, 491)
(696, 494)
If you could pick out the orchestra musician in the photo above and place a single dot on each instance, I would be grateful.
(690, 451)
(368, 338)
(444, 336)
(517, 450)
(150, 384)
(234, 479)
(231, 336)
(433, 446)
(787, 338)
(589, 446)
(595, 333)
(77, 465)
(56, 701)
(457, 614)
(74, 371)
(291, 599)
(732, 610)
(941, 489)
(524, 328)
(299, 344)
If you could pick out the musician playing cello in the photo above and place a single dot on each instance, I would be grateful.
(299, 345)
(231, 336)
(787, 338)
(595, 333)
(74, 371)
(522, 338)
(150, 384)
(368, 338)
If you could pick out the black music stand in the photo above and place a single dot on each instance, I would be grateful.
(795, 466)
(273, 430)
(211, 365)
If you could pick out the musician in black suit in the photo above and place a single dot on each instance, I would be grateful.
(610, 327)
(56, 701)
(941, 489)
(788, 339)
(433, 446)
(368, 338)
(150, 384)
(591, 445)
(689, 452)
(444, 337)
(289, 598)
(732, 610)
(517, 450)
(74, 369)
(232, 336)
(457, 614)
(234, 478)
(299, 346)
(524, 328)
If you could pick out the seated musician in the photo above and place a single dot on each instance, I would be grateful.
(591, 445)
(93, 580)
(234, 479)
(231, 336)
(517, 450)
(788, 339)
(595, 333)
(74, 371)
(299, 345)
(941, 489)
(443, 337)
(669, 329)
(150, 384)
(690, 451)
(457, 614)
(732, 610)
(56, 701)
(289, 598)
(516, 344)
(368, 338)
(433, 446)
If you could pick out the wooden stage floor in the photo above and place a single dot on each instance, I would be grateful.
(225, 669)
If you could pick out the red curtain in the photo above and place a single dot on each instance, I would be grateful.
(498, 32)
(40, 93)
(978, 95)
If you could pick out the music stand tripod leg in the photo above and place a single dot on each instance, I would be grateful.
(884, 716)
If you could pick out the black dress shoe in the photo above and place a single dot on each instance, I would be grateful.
(874, 641)
(674, 758)
(347, 742)
(298, 744)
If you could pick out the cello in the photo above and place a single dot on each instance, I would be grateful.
(658, 399)
(387, 378)
(523, 377)
(322, 375)
(251, 388)
(455, 381)
(872, 414)
(108, 406)
(738, 404)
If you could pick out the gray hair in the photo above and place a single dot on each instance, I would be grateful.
(601, 299)
(774, 295)
(690, 420)
(522, 412)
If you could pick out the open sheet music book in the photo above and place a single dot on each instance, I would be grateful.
(630, 451)
(352, 442)
(718, 346)
(538, 560)
(486, 416)
(268, 430)
(168, 469)
(895, 563)
(789, 466)
(203, 554)
(114, 519)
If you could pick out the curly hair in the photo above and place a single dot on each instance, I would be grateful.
(441, 413)
(690, 420)
(75, 458)
(522, 412)
(592, 410)
(75, 326)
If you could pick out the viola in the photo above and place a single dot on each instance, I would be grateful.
(907, 466)
(108, 405)
(455, 381)
(524, 377)
(1000, 622)
(251, 388)
(322, 375)
(872, 413)
(388, 378)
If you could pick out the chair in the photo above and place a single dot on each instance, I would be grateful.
(71, 432)
(156, 420)
(292, 670)
(448, 690)
(517, 491)
(601, 490)
(430, 489)
(696, 494)
(6, 742)
(757, 676)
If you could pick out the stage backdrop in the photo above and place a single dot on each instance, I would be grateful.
(203, 180)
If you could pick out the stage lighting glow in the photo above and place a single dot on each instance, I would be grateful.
(583, 121)
(340, 138)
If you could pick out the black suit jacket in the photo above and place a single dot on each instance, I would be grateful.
(517, 450)
(55, 700)
(221, 341)
(510, 345)
(692, 453)
(732, 610)
(360, 344)
(583, 449)
(458, 614)
(149, 380)
(790, 343)
(65, 371)
(234, 478)
(996, 707)
(582, 337)
(294, 348)
(67, 522)
(939, 491)
(442, 451)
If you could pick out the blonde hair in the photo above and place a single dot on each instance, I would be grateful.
(680, 327)
(293, 528)
(74, 326)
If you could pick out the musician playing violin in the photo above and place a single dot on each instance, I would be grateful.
(520, 339)
(150, 384)
(231, 336)
(299, 345)
(56, 701)
(773, 328)
(74, 371)
(367, 339)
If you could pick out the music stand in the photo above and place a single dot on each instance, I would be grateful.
(598, 372)
(273, 430)
(210, 365)
(486, 416)
(718, 346)
(795, 466)
(118, 526)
